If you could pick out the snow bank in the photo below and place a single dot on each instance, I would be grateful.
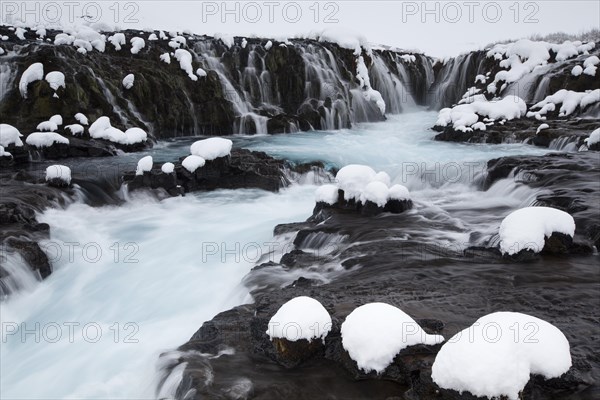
(137, 44)
(9, 135)
(300, 318)
(327, 194)
(168, 168)
(497, 354)
(192, 163)
(56, 79)
(35, 72)
(49, 126)
(59, 172)
(76, 129)
(373, 334)
(527, 228)
(128, 81)
(569, 99)
(144, 165)
(82, 119)
(45, 139)
(593, 139)
(463, 117)
(212, 148)
(185, 62)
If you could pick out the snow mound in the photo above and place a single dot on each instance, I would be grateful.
(300, 318)
(353, 179)
(541, 128)
(361, 183)
(376, 192)
(373, 334)
(137, 44)
(211, 148)
(168, 168)
(35, 72)
(56, 79)
(192, 163)
(82, 119)
(45, 139)
(144, 165)
(99, 126)
(57, 119)
(570, 101)
(135, 135)
(76, 129)
(577, 70)
(594, 138)
(102, 129)
(226, 38)
(185, 62)
(497, 354)
(268, 45)
(166, 58)
(10, 135)
(47, 126)
(59, 172)
(399, 192)
(527, 228)
(128, 81)
(117, 40)
(463, 117)
(327, 194)
(201, 73)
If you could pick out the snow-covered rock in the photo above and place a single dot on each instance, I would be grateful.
(45, 139)
(399, 192)
(167, 168)
(376, 192)
(166, 58)
(128, 81)
(56, 79)
(328, 194)
(353, 179)
(570, 101)
(268, 45)
(81, 118)
(300, 318)
(577, 70)
(135, 135)
(185, 62)
(193, 162)
(372, 95)
(75, 129)
(497, 354)
(373, 334)
(144, 165)
(59, 173)
(152, 37)
(201, 73)
(35, 72)
(4, 153)
(527, 228)
(57, 119)
(117, 40)
(594, 138)
(226, 38)
(137, 44)
(211, 148)
(9, 135)
(47, 126)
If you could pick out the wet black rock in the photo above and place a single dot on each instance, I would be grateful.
(368, 209)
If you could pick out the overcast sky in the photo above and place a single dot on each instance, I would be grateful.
(438, 28)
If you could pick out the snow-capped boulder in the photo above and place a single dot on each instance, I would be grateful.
(166, 58)
(81, 118)
(135, 136)
(192, 163)
(593, 142)
(128, 81)
(201, 73)
(185, 62)
(58, 176)
(144, 165)
(373, 334)
(570, 101)
(55, 79)
(497, 354)
(327, 194)
(35, 72)
(168, 168)
(577, 70)
(298, 329)
(10, 136)
(536, 229)
(47, 126)
(117, 40)
(137, 44)
(56, 119)
(75, 129)
(98, 127)
(45, 139)
(212, 148)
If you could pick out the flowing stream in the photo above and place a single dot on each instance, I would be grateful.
(132, 281)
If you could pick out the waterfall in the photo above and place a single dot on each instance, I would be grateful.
(455, 77)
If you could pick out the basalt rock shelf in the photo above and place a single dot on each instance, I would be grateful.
(446, 289)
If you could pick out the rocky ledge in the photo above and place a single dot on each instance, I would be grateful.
(345, 260)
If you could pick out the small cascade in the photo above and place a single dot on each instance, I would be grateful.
(565, 143)
(455, 77)
(7, 77)
(393, 88)
(16, 275)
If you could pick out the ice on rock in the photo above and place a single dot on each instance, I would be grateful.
(81, 118)
(328, 194)
(192, 163)
(185, 62)
(75, 129)
(373, 334)
(117, 40)
(168, 168)
(212, 148)
(144, 165)
(594, 138)
(47, 126)
(35, 72)
(497, 354)
(60, 172)
(128, 81)
(56, 79)
(45, 139)
(9, 135)
(527, 228)
(300, 318)
(137, 44)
